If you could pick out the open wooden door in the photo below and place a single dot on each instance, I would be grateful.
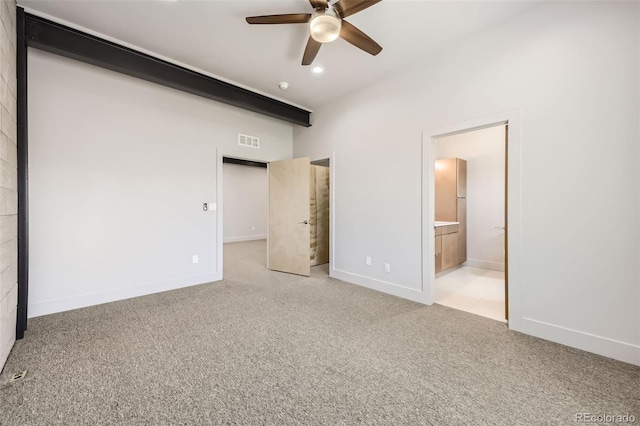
(289, 211)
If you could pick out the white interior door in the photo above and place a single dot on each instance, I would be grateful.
(289, 211)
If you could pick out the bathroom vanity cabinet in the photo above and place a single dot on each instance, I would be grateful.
(450, 212)
(446, 245)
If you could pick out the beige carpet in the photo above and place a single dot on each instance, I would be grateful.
(268, 348)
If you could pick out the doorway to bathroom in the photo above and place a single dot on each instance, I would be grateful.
(470, 229)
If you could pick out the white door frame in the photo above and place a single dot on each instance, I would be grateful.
(429, 138)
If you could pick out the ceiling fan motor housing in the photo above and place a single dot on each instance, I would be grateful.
(325, 25)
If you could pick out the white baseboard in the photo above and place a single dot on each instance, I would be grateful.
(485, 264)
(379, 285)
(610, 348)
(83, 300)
(245, 238)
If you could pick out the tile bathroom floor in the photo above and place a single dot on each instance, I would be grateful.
(475, 290)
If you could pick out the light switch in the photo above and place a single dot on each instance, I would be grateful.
(209, 206)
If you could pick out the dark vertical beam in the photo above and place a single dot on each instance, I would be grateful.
(23, 176)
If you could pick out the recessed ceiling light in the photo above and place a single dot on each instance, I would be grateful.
(317, 69)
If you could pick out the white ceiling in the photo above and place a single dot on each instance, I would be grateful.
(214, 37)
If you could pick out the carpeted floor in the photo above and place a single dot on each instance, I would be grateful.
(268, 348)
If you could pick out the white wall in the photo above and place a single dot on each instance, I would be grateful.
(119, 169)
(572, 71)
(246, 202)
(484, 152)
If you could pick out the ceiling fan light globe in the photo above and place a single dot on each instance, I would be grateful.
(325, 28)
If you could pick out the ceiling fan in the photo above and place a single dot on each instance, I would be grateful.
(326, 24)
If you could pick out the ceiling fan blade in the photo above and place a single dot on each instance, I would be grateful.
(318, 4)
(310, 51)
(359, 39)
(289, 18)
(349, 7)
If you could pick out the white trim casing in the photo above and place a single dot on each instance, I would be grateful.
(512, 118)
(268, 211)
(332, 216)
(219, 216)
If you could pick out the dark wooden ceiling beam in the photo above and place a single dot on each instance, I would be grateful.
(241, 162)
(65, 41)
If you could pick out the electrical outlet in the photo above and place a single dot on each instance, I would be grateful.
(387, 267)
(367, 260)
(194, 258)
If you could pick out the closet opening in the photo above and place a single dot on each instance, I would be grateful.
(276, 216)
(245, 212)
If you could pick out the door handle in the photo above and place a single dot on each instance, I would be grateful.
(306, 222)
(499, 227)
